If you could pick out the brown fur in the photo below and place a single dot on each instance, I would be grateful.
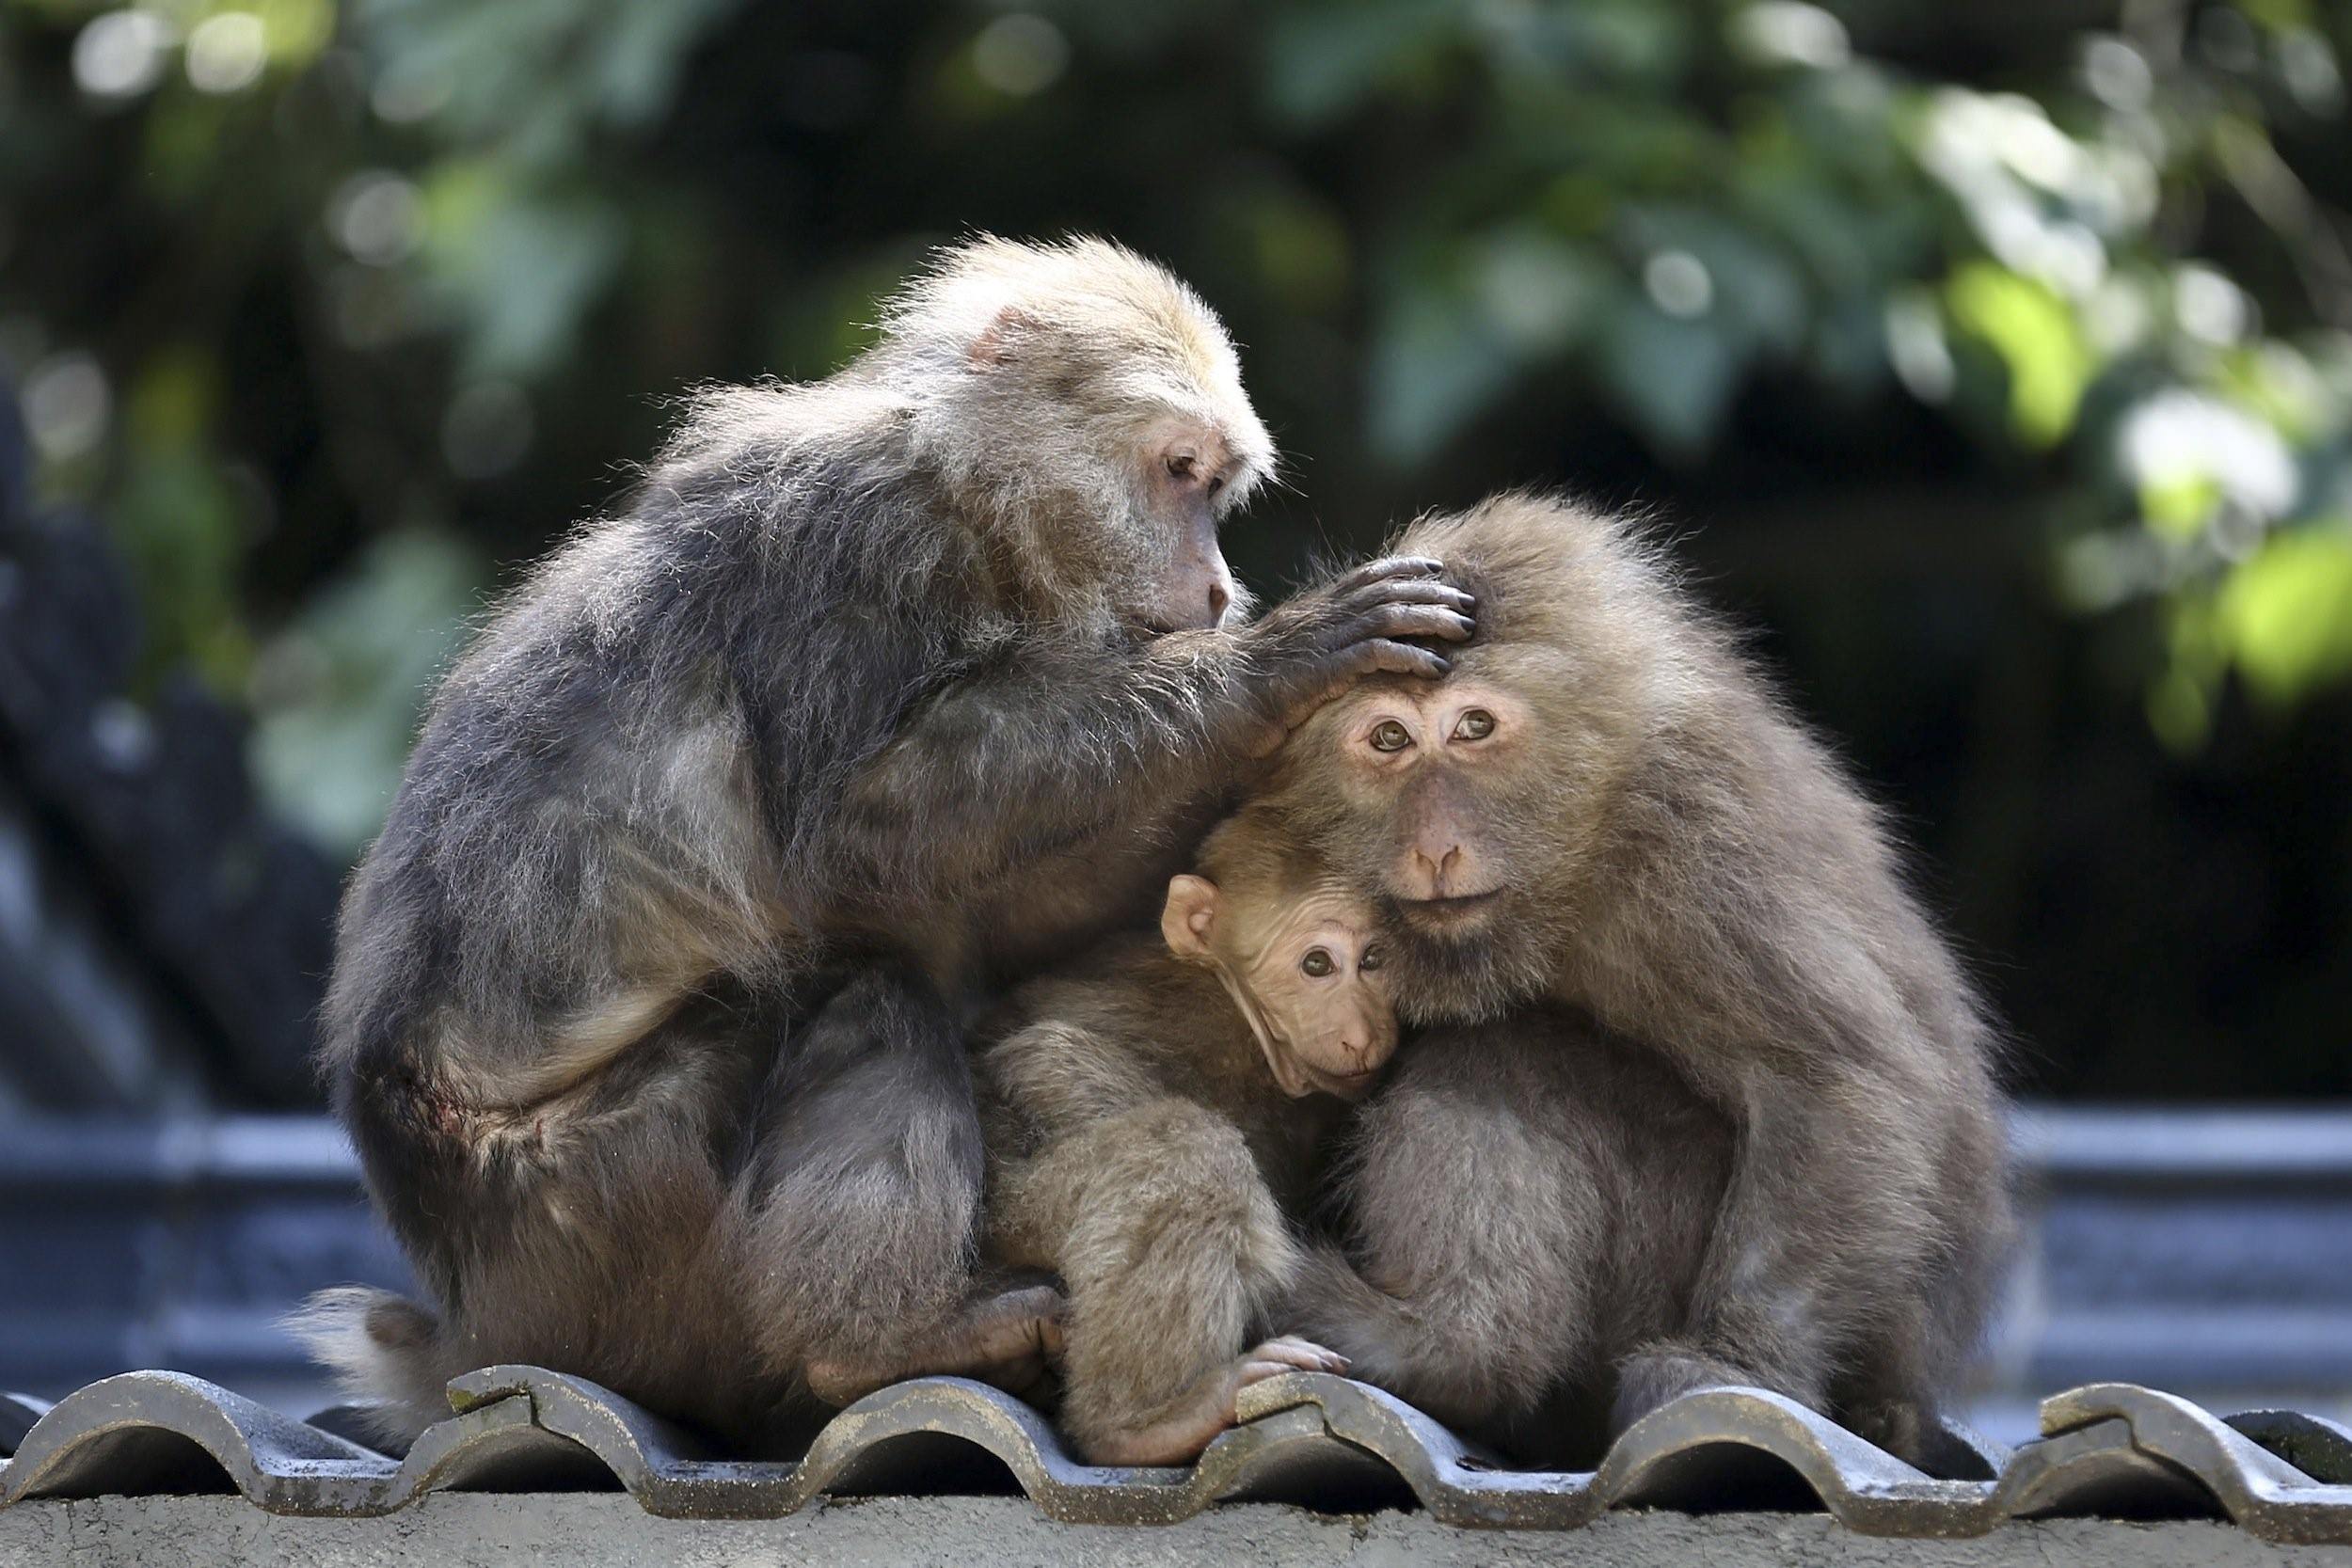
(1663, 850)
(1142, 1150)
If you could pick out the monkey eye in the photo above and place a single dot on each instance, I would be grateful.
(1217, 483)
(1317, 962)
(1182, 466)
(1372, 958)
(1390, 735)
(1477, 724)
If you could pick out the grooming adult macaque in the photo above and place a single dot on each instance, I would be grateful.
(1603, 809)
(887, 686)
(1153, 1111)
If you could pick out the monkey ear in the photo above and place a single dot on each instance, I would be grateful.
(1189, 916)
(999, 343)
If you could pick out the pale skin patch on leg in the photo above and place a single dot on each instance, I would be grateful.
(1178, 1437)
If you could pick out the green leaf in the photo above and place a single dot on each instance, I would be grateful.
(2030, 328)
(2284, 614)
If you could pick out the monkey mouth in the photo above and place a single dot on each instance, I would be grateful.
(1457, 909)
(1346, 1086)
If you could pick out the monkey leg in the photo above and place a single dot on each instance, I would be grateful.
(585, 1233)
(1170, 1243)
(861, 1199)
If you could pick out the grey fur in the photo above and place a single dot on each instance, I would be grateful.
(647, 1009)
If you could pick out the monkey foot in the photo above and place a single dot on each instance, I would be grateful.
(1011, 1339)
(1178, 1437)
(1650, 1379)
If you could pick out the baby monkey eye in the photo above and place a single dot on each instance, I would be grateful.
(1390, 735)
(1477, 724)
(1182, 466)
(1373, 959)
(1317, 962)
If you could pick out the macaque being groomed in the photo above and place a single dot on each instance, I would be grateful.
(1603, 809)
(1153, 1116)
(648, 1010)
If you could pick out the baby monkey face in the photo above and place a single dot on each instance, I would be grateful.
(1305, 969)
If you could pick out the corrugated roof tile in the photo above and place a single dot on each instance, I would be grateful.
(1320, 1442)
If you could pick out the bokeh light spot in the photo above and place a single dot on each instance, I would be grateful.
(1678, 283)
(378, 217)
(226, 52)
(1019, 55)
(120, 53)
(66, 405)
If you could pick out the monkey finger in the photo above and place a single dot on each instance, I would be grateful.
(1304, 1355)
(1415, 620)
(1391, 566)
(1383, 657)
(1415, 591)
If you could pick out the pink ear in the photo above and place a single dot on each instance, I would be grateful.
(999, 343)
(1189, 916)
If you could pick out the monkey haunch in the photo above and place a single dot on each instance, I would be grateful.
(1152, 1122)
(1526, 1204)
(888, 684)
(1601, 808)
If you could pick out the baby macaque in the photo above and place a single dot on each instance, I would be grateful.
(1153, 1114)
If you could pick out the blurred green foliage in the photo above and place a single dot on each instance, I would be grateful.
(333, 308)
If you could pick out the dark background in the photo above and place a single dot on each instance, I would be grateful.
(1989, 362)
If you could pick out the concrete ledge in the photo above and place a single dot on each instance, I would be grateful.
(588, 1530)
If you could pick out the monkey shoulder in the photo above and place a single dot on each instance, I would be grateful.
(1124, 1023)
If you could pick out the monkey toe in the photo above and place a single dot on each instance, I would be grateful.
(1290, 1353)
(843, 1382)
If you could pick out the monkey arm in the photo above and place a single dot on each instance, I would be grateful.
(1049, 743)
(1043, 749)
(1835, 1223)
(1169, 1244)
(1824, 1226)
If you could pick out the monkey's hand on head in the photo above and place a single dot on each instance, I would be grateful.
(1313, 648)
(1045, 747)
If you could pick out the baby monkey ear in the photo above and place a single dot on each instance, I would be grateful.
(1189, 916)
(999, 343)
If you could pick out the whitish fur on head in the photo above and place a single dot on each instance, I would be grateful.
(1045, 385)
(1081, 318)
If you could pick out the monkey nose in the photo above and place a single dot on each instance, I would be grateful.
(1435, 871)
